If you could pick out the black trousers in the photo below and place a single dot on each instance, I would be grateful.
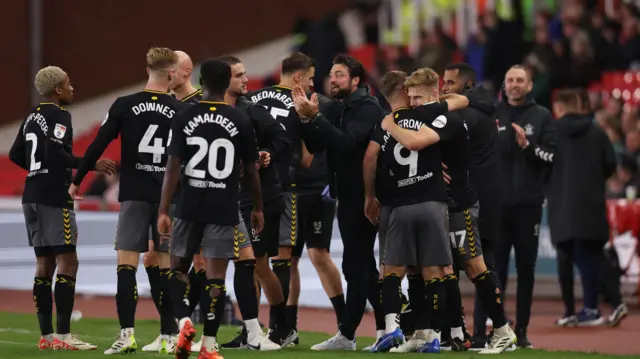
(607, 275)
(358, 264)
(520, 230)
(479, 314)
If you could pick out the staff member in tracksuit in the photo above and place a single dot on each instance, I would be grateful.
(343, 128)
(527, 141)
(585, 159)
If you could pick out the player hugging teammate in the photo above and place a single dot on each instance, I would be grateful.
(414, 145)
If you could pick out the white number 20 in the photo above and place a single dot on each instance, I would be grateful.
(33, 165)
(212, 165)
(157, 149)
(411, 160)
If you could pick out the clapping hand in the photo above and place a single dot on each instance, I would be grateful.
(305, 107)
(521, 137)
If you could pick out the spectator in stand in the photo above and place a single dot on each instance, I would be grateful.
(505, 47)
(541, 78)
(392, 58)
(542, 46)
(582, 68)
(632, 143)
(614, 107)
(630, 39)
(629, 121)
(368, 11)
(474, 51)
(435, 51)
(626, 179)
(613, 130)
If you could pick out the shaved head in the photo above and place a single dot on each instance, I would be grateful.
(185, 67)
(184, 61)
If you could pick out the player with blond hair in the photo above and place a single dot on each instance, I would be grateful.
(43, 147)
(143, 121)
(186, 93)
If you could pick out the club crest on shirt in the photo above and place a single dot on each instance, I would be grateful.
(528, 130)
(59, 130)
(439, 122)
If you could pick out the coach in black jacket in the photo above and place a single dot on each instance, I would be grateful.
(344, 127)
(527, 141)
(577, 209)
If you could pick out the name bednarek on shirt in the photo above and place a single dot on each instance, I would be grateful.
(409, 181)
(279, 96)
(206, 184)
(149, 168)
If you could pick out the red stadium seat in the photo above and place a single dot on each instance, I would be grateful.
(624, 216)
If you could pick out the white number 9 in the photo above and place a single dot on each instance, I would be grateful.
(411, 160)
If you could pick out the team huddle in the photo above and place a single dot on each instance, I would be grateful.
(219, 174)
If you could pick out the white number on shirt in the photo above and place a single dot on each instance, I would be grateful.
(33, 164)
(212, 164)
(411, 160)
(278, 112)
(157, 149)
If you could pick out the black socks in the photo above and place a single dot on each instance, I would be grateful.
(127, 295)
(44, 304)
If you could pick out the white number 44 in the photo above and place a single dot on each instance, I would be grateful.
(459, 243)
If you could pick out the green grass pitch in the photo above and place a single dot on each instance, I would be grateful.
(19, 335)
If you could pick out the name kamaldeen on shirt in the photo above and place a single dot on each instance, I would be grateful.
(212, 138)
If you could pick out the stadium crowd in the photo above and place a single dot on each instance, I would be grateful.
(446, 178)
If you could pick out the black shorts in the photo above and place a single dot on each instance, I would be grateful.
(315, 223)
(267, 242)
(51, 230)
